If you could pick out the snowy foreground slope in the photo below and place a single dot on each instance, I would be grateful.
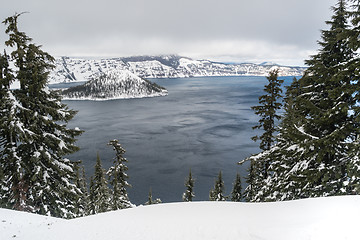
(321, 219)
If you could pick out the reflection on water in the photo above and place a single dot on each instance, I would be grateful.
(203, 124)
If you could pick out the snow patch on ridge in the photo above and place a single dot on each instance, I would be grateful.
(171, 66)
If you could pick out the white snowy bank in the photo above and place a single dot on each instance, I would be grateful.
(332, 218)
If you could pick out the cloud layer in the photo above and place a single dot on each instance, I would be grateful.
(284, 31)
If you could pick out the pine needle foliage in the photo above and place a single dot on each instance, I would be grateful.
(270, 104)
(34, 138)
(217, 193)
(150, 199)
(100, 199)
(189, 194)
(236, 193)
(118, 178)
(317, 148)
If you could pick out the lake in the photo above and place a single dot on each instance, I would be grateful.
(204, 124)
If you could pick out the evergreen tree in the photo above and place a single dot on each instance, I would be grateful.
(318, 145)
(354, 32)
(236, 193)
(99, 190)
(326, 129)
(34, 136)
(281, 185)
(250, 190)
(13, 190)
(83, 201)
(217, 193)
(268, 110)
(7, 140)
(118, 178)
(270, 103)
(151, 201)
(353, 67)
(188, 195)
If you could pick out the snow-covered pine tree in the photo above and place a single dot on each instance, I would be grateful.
(280, 185)
(38, 177)
(236, 193)
(251, 189)
(83, 201)
(318, 145)
(7, 142)
(270, 103)
(217, 193)
(189, 194)
(327, 128)
(118, 178)
(151, 201)
(13, 190)
(3, 202)
(353, 33)
(99, 195)
(353, 168)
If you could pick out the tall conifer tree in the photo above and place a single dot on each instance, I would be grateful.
(327, 129)
(353, 67)
(270, 103)
(35, 138)
(318, 145)
(217, 193)
(236, 193)
(83, 200)
(99, 191)
(189, 194)
(118, 178)
(150, 199)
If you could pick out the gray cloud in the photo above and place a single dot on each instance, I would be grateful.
(285, 31)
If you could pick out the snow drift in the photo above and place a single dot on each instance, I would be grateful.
(321, 219)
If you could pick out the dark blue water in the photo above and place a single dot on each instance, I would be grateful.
(204, 124)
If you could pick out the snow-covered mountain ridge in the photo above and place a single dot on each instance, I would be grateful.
(330, 218)
(114, 85)
(69, 69)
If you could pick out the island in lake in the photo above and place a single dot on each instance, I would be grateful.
(114, 85)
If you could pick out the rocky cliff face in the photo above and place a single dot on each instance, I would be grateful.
(166, 66)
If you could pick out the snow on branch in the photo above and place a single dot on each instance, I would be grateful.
(301, 130)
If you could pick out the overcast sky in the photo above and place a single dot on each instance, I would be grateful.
(281, 31)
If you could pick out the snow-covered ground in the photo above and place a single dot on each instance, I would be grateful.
(331, 218)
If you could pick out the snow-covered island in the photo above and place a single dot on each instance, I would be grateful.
(330, 218)
(114, 84)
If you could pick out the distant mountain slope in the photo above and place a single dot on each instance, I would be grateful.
(164, 66)
(114, 84)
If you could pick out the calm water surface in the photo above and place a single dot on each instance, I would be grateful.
(204, 124)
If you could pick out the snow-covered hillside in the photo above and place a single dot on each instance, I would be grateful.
(331, 218)
(114, 84)
(165, 66)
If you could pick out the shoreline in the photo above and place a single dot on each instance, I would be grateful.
(123, 97)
